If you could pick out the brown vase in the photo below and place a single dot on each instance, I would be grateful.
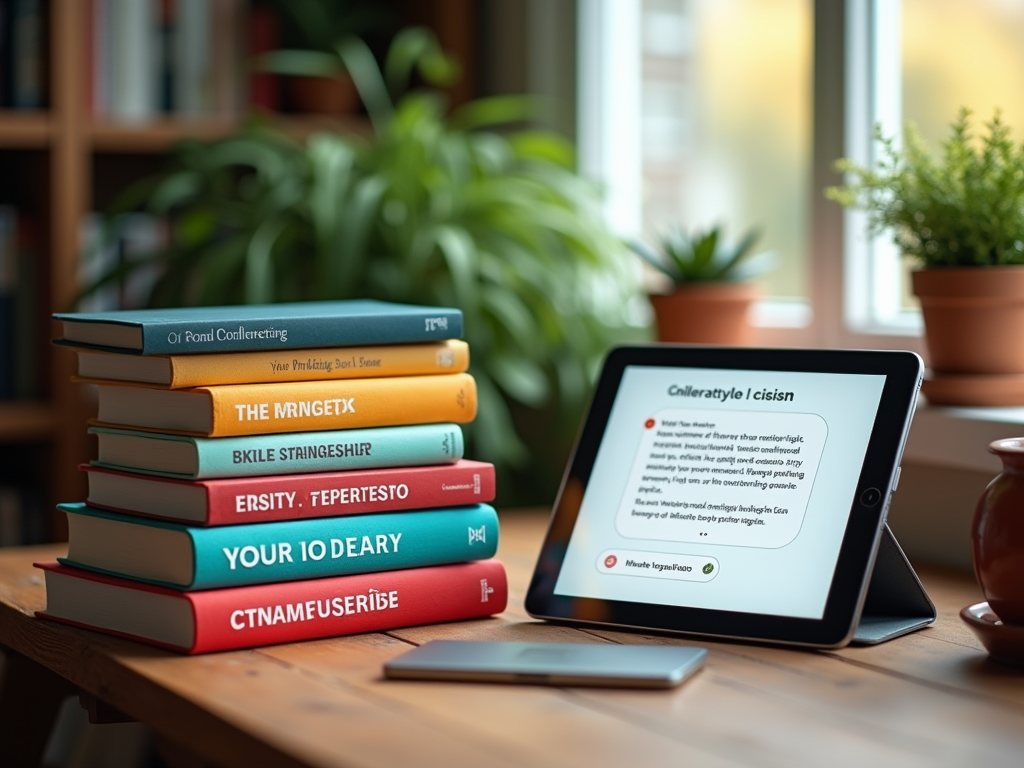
(973, 318)
(706, 313)
(997, 535)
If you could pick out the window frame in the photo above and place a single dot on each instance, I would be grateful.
(852, 278)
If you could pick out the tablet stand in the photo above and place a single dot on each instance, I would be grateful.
(896, 602)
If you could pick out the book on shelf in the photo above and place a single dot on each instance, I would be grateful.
(267, 498)
(253, 409)
(318, 364)
(23, 69)
(19, 331)
(187, 330)
(8, 299)
(267, 614)
(193, 557)
(194, 458)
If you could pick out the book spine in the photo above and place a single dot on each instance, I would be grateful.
(191, 58)
(298, 497)
(191, 336)
(450, 356)
(27, 54)
(349, 493)
(335, 546)
(262, 33)
(294, 550)
(300, 452)
(244, 409)
(281, 613)
(8, 300)
(135, 60)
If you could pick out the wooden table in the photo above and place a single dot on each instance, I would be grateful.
(931, 698)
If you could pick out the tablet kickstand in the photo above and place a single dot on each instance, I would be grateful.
(896, 602)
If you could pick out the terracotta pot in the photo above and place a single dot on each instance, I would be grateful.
(706, 313)
(973, 318)
(322, 95)
(997, 535)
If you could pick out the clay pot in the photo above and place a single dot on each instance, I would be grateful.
(997, 535)
(706, 313)
(973, 318)
(322, 95)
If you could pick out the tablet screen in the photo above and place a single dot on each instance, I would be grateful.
(732, 489)
(711, 484)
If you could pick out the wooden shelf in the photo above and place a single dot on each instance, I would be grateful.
(21, 421)
(24, 129)
(156, 136)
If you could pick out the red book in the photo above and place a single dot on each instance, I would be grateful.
(267, 498)
(267, 614)
(264, 90)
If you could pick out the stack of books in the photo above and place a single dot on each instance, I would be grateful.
(261, 479)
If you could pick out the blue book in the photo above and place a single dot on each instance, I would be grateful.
(186, 330)
(190, 558)
(196, 458)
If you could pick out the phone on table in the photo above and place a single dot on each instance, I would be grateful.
(592, 664)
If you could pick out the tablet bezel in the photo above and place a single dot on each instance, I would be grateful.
(902, 370)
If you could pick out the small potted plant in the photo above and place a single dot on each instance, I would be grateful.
(959, 215)
(711, 291)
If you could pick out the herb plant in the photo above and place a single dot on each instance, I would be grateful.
(963, 207)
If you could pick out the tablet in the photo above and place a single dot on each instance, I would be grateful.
(737, 493)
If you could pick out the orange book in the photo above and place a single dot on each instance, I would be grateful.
(302, 406)
(316, 364)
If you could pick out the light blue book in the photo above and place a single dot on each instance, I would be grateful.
(196, 458)
(186, 330)
(191, 558)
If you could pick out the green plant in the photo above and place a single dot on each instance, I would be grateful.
(704, 257)
(964, 207)
(428, 209)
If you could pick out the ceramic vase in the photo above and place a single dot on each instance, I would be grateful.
(997, 534)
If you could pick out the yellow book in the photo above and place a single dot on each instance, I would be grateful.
(314, 364)
(301, 406)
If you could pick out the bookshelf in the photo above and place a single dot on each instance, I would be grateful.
(53, 164)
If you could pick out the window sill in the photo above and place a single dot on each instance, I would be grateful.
(958, 437)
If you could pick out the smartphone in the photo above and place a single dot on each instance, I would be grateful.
(593, 664)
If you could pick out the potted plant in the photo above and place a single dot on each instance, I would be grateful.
(311, 30)
(959, 215)
(711, 291)
(427, 208)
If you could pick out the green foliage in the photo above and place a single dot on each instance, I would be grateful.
(962, 208)
(430, 210)
(704, 257)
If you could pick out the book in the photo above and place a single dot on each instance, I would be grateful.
(187, 330)
(135, 57)
(195, 458)
(299, 406)
(320, 364)
(267, 498)
(192, 557)
(266, 614)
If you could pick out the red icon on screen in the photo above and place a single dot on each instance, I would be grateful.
(610, 561)
(650, 423)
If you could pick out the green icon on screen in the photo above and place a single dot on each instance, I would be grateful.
(708, 568)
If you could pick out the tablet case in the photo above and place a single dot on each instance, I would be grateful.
(896, 602)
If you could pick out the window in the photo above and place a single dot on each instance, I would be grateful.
(733, 111)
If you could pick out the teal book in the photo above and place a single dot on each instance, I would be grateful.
(197, 458)
(191, 558)
(187, 330)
